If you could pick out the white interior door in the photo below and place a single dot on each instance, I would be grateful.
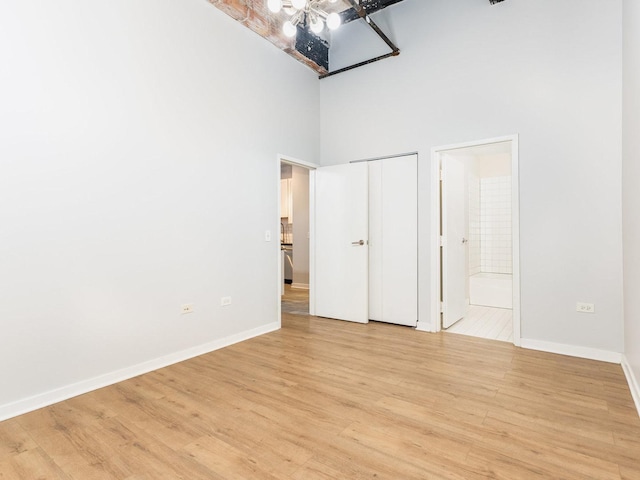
(454, 244)
(393, 240)
(341, 242)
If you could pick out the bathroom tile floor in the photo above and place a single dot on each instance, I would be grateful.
(486, 322)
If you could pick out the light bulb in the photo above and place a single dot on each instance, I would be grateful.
(298, 4)
(317, 25)
(274, 5)
(289, 29)
(333, 21)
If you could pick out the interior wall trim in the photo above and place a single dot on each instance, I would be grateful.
(572, 350)
(397, 155)
(632, 380)
(69, 391)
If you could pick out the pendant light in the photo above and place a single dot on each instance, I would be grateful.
(309, 13)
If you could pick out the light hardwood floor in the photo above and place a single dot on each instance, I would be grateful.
(324, 399)
(295, 300)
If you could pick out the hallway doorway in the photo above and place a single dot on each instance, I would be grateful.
(295, 226)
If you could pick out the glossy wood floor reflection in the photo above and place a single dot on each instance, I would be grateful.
(323, 399)
(295, 301)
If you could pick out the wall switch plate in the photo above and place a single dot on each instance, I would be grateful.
(267, 236)
(585, 307)
(187, 308)
(225, 301)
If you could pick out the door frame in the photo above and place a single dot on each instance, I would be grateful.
(436, 266)
(280, 158)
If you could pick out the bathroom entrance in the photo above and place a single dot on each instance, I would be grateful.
(478, 239)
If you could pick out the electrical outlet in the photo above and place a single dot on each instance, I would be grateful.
(187, 308)
(225, 301)
(267, 236)
(585, 307)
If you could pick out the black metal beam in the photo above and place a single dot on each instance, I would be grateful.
(317, 50)
(362, 13)
(361, 64)
(369, 6)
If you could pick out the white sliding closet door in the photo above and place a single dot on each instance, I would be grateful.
(393, 240)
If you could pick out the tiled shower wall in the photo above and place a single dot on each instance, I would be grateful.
(495, 225)
(474, 224)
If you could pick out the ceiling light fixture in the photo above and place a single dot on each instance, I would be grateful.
(310, 13)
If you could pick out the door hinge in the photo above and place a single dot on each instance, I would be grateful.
(441, 241)
(441, 307)
(441, 175)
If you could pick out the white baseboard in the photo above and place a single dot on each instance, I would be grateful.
(424, 327)
(572, 350)
(69, 391)
(632, 380)
(301, 286)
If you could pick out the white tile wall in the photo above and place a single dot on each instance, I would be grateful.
(474, 224)
(495, 225)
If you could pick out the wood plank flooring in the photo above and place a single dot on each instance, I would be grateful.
(295, 300)
(322, 399)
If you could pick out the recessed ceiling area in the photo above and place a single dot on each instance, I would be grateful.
(307, 47)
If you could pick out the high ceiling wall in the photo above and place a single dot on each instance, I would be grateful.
(139, 173)
(548, 71)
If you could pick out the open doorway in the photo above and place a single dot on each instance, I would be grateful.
(478, 244)
(294, 237)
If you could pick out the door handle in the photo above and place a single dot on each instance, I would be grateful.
(359, 243)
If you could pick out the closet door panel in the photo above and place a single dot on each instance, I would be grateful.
(393, 240)
(375, 241)
(400, 240)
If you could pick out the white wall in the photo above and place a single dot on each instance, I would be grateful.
(497, 165)
(549, 71)
(630, 191)
(137, 144)
(300, 185)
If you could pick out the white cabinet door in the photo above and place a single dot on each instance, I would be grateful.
(341, 238)
(393, 237)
